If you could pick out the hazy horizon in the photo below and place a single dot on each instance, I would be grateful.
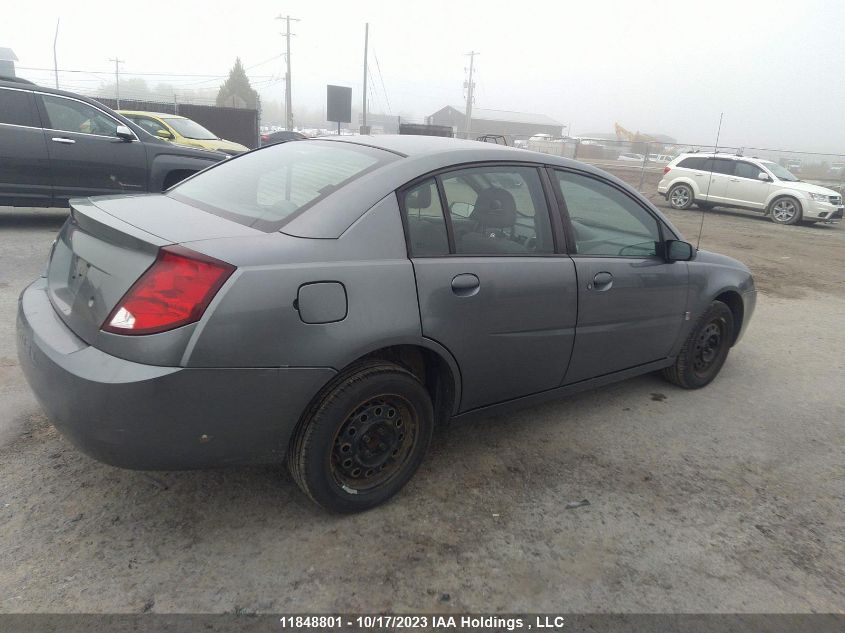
(772, 68)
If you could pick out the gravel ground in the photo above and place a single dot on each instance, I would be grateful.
(727, 499)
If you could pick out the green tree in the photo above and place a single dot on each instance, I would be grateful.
(236, 90)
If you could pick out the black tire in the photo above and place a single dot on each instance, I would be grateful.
(705, 350)
(344, 470)
(779, 211)
(681, 197)
(704, 206)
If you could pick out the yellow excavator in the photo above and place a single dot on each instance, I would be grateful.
(632, 137)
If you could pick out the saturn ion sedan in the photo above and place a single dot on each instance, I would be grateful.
(329, 302)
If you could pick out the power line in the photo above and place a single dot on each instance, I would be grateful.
(381, 79)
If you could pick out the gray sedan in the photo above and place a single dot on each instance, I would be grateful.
(329, 302)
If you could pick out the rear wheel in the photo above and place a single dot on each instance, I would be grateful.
(705, 350)
(363, 439)
(681, 197)
(785, 211)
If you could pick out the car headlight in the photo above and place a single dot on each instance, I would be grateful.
(819, 197)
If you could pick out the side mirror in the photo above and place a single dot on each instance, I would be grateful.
(763, 176)
(123, 132)
(168, 136)
(678, 251)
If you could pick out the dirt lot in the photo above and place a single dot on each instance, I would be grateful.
(727, 499)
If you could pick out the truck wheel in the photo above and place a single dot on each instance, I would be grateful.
(681, 197)
(363, 439)
(785, 210)
(705, 350)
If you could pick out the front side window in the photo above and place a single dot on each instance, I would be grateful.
(263, 189)
(605, 221)
(192, 130)
(746, 170)
(15, 108)
(427, 233)
(68, 115)
(498, 210)
(782, 173)
(150, 125)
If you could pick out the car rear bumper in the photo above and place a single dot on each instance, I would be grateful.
(155, 418)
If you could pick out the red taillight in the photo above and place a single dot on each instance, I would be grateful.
(174, 291)
(666, 170)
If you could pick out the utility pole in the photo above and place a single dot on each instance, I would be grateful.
(55, 57)
(117, 63)
(470, 87)
(364, 129)
(288, 99)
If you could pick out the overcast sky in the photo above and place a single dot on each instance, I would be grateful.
(774, 68)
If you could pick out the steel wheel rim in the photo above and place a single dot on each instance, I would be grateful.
(680, 196)
(708, 346)
(374, 443)
(784, 210)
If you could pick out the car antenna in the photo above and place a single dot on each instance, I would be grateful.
(710, 179)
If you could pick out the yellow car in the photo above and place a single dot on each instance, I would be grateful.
(183, 131)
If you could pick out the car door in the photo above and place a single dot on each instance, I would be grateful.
(631, 302)
(745, 189)
(86, 156)
(716, 171)
(492, 288)
(24, 163)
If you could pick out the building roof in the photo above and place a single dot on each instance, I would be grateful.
(483, 114)
(7, 54)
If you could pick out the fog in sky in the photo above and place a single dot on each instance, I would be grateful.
(774, 68)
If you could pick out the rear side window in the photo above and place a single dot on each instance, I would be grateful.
(719, 166)
(264, 189)
(693, 162)
(16, 108)
(427, 232)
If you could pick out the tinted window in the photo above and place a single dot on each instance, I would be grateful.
(15, 108)
(498, 211)
(605, 221)
(719, 166)
(746, 170)
(263, 188)
(74, 116)
(693, 162)
(424, 217)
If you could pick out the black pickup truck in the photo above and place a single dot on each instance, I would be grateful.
(57, 145)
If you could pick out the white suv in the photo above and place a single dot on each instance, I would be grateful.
(725, 180)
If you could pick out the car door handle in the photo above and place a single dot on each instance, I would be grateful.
(602, 281)
(734, 179)
(465, 284)
(67, 141)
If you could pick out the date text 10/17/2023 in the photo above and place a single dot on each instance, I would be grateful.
(540, 622)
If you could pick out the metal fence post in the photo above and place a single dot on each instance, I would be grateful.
(575, 151)
(645, 162)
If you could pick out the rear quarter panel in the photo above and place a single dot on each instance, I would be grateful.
(255, 322)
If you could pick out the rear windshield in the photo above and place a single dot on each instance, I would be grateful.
(265, 188)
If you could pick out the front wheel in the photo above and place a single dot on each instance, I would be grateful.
(363, 439)
(681, 197)
(705, 350)
(785, 211)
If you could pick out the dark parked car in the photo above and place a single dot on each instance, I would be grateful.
(333, 300)
(282, 136)
(56, 145)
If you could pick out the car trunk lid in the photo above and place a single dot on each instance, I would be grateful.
(107, 244)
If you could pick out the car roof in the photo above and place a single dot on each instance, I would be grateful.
(160, 115)
(421, 155)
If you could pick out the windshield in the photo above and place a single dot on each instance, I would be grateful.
(265, 188)
(782, 173)
(191, 129)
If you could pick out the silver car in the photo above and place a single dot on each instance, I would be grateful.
(329, 302)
